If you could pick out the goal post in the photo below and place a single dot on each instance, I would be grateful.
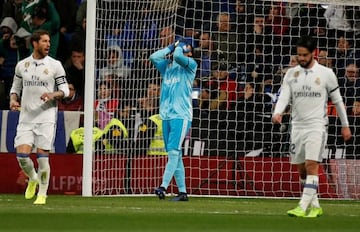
(89, 99)
(243, 49)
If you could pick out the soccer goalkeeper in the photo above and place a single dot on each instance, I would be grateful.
(176, 111)
(307, 87)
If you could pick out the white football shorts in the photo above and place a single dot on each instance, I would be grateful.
(38, 135)
(307, 144)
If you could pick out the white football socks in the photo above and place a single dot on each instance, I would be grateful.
(43, 175)
(27, 166)
(309, 192)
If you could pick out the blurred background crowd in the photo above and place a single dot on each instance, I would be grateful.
(243, 49)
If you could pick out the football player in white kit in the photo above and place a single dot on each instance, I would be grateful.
(306, 87)
(39, 82)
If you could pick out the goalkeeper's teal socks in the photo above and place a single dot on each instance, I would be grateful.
(180, 175)
(171, 166)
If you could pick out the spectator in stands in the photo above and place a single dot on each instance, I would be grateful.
(202, 55)
(204, 102)
(343, 18)
(280, 73)
(223, 5)
(74, 102)
(46, 17)
(22, 38)
(258, 66)
(356, 107)
(244, 10)
(142, 74)
(216, 107)
(123, 36)
(119, 72)
(324, 58)
(224, 89)
(81, 13)
(277, 28)
(148, 30)
(115, 63)
(113, 136)
(150, 137)
(276, 21)
(112, 80)
(345, 53)
(77, 40)
(8, 27)
(251, 108)
(349, 86)
(67, 12)
(304, 18)
(75, 69)
(255, 35)
(352, 148)
(225, 43)
(149, 104)
(105, 105)
(167, 36)
(8, 59)
(13, 8)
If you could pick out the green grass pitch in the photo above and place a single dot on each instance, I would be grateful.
(76, 213)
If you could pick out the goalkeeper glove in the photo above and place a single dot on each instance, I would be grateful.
(172, 46)
(183, 44)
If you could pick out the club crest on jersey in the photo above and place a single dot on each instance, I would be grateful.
(296, 74)
(46, 71)
(27, 64)
(317, 81)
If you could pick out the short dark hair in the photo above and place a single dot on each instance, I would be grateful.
(36, 35)
(307, 42)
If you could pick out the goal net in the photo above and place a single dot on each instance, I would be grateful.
(243, 49)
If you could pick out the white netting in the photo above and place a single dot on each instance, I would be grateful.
(243, 49)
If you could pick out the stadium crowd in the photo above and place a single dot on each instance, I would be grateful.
(243, 49)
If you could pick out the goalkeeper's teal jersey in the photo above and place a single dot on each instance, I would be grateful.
(177, 81)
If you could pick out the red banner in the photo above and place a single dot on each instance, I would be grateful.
(247, 176)
(66, 174)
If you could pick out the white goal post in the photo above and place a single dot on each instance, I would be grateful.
(243, 49)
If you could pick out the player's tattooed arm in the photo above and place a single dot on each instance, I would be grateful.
(52, 96)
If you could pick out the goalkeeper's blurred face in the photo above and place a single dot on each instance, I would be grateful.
(304, 57)
(189, 49)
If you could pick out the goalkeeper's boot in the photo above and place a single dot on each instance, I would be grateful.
(40, 200)
(297, 212)
(181, 197)
(31, 189)
(314, 212)
(160, 192)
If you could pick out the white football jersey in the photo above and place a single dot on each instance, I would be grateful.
(308, 90)
(32, 79)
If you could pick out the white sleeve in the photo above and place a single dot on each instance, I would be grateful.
(340, 109)
(60, 80)
(333, 88)
(335, 96)
(17, 82)
(284, 97)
